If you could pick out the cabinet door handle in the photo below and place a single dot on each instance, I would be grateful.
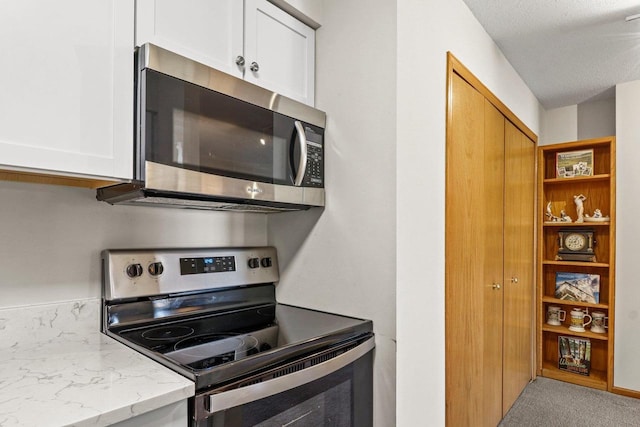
(514, 280)
(240, 60)
(496, 286)
(254, 67)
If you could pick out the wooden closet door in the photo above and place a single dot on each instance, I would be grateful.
(518, 263)
(473, 253)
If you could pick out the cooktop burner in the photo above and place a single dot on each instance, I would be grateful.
(234, 342)
(225, 327)
(205, 351)
(167, 333)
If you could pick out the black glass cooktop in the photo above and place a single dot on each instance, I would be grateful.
(255, 336)
(170, 336)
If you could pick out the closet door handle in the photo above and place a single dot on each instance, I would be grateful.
(496, 286)
(514, 280)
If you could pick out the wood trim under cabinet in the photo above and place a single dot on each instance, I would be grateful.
(40, 178)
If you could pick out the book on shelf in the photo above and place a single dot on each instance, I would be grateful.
(578, 287)
(574, 355)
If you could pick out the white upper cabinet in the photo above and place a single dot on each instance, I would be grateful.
(256, 41)
(206, 31)
(67, 89)
(283, 50)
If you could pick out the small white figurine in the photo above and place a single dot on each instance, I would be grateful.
(578, 200)
(564, 217)
(597, 213)
(550, 216)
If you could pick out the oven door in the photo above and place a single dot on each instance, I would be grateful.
(335, 390)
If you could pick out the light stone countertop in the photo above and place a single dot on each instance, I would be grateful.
(57, 369)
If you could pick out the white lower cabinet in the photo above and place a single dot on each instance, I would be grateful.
(254, 40)
(67, 87)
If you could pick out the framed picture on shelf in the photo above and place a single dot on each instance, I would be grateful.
(578, 287)
(572, 164)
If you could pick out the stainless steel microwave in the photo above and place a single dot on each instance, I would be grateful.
(208, 140)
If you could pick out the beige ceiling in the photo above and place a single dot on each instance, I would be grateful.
(567, 51)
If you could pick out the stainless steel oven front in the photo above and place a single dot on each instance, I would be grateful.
(332, 388)
(211, 315)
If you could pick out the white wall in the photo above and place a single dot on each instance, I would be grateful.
(51, 238)
(627, 321)
(342, 258)
(426, 31)
(597, 118)
(591, 119)
(559, 125)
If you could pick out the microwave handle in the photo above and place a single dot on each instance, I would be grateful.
(303, 153)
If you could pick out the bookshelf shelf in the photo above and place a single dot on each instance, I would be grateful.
(575, 224)
(584, 179)
(563, 330)
(596, 379)
(556, 301)
(576, 264)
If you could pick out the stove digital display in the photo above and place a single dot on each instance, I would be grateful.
(207, 265)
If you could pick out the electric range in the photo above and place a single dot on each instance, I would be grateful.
(211, 315)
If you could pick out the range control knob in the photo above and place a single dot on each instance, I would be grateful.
(254, 262)
(156, 268)
(134, 270)
(266, 262)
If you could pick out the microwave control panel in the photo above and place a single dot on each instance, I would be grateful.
(314, 176)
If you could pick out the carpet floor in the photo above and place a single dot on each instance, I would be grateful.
(547, 402)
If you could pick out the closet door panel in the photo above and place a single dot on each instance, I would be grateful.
(473, 259)
(518, 263)
(492, 246)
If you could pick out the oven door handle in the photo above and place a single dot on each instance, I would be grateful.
(240, 396)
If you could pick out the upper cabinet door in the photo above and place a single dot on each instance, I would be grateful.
(67, 91)
(283, 50)
(206, 31)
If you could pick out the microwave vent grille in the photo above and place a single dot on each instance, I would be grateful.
(206, 205)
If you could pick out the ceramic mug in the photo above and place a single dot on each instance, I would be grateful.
(578, 320)
(599, 322)
(555, 315)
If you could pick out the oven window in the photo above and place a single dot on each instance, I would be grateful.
(325, 408)
(343, 398)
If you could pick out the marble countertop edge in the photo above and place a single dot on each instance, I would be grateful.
(55, 363)
(139, 408)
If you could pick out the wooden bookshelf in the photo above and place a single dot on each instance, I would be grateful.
(599, 189)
